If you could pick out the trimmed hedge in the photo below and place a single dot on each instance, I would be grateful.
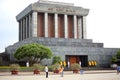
(7, 68)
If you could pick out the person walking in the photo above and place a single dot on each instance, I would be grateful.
(118, 69)
(61, 70)
(46, 70)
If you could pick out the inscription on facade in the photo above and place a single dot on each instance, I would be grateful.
(59, 9)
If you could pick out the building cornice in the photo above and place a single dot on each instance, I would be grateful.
(53, 8)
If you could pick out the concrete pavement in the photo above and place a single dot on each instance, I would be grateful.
(68, 75)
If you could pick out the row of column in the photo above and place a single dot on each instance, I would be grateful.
(28, 26)
(25, 27)
(79, 27)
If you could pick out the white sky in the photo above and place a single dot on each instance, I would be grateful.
(103, 20)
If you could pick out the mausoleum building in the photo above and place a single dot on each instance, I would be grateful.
(62, 27)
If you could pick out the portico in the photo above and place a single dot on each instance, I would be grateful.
(53, 21)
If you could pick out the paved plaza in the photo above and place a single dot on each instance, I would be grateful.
(88, 75)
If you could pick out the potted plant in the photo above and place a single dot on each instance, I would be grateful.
(14, 68)
(75, 67)
(36, 68)
(55, 68)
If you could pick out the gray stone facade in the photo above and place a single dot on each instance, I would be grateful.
(63, 47)
(66, 47)
(51, 7)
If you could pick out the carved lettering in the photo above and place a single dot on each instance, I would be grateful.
(61, 9)
(51, 9)
(68, 10)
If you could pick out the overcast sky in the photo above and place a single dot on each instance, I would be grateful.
(103, 20)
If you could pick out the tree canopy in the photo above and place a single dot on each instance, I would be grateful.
(118, 54)
(56, 59)
(116, 58)
(33, 52)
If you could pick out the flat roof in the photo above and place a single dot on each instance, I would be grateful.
(53, 7)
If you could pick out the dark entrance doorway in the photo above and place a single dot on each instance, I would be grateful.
(77, 59)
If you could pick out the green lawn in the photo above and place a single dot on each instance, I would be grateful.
(7, 68)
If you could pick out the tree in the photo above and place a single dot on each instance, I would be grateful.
(114, 59)
(56, 59)
(118, 54)
(33, 52)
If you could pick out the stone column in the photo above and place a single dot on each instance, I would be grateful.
(30, 25)
(79, 27)
(84, 27)
(26, 26)
(23, 28)
(75, 26)
(19, 33)
(56, 25)
(46, 24)
(66, 26)
(34, 24)
(20, 30)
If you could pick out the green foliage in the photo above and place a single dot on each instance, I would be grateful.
(75, 66)
(56, 59)
(56, 66)
(14, 67)
(4, 67)
(118, 54)
(26, 69)
(38, 67)
(33, 52)
(114, 59)
(22, 69)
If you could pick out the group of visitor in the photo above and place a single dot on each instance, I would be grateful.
(60, 70)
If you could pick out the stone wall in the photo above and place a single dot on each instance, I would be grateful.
(62, 47)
